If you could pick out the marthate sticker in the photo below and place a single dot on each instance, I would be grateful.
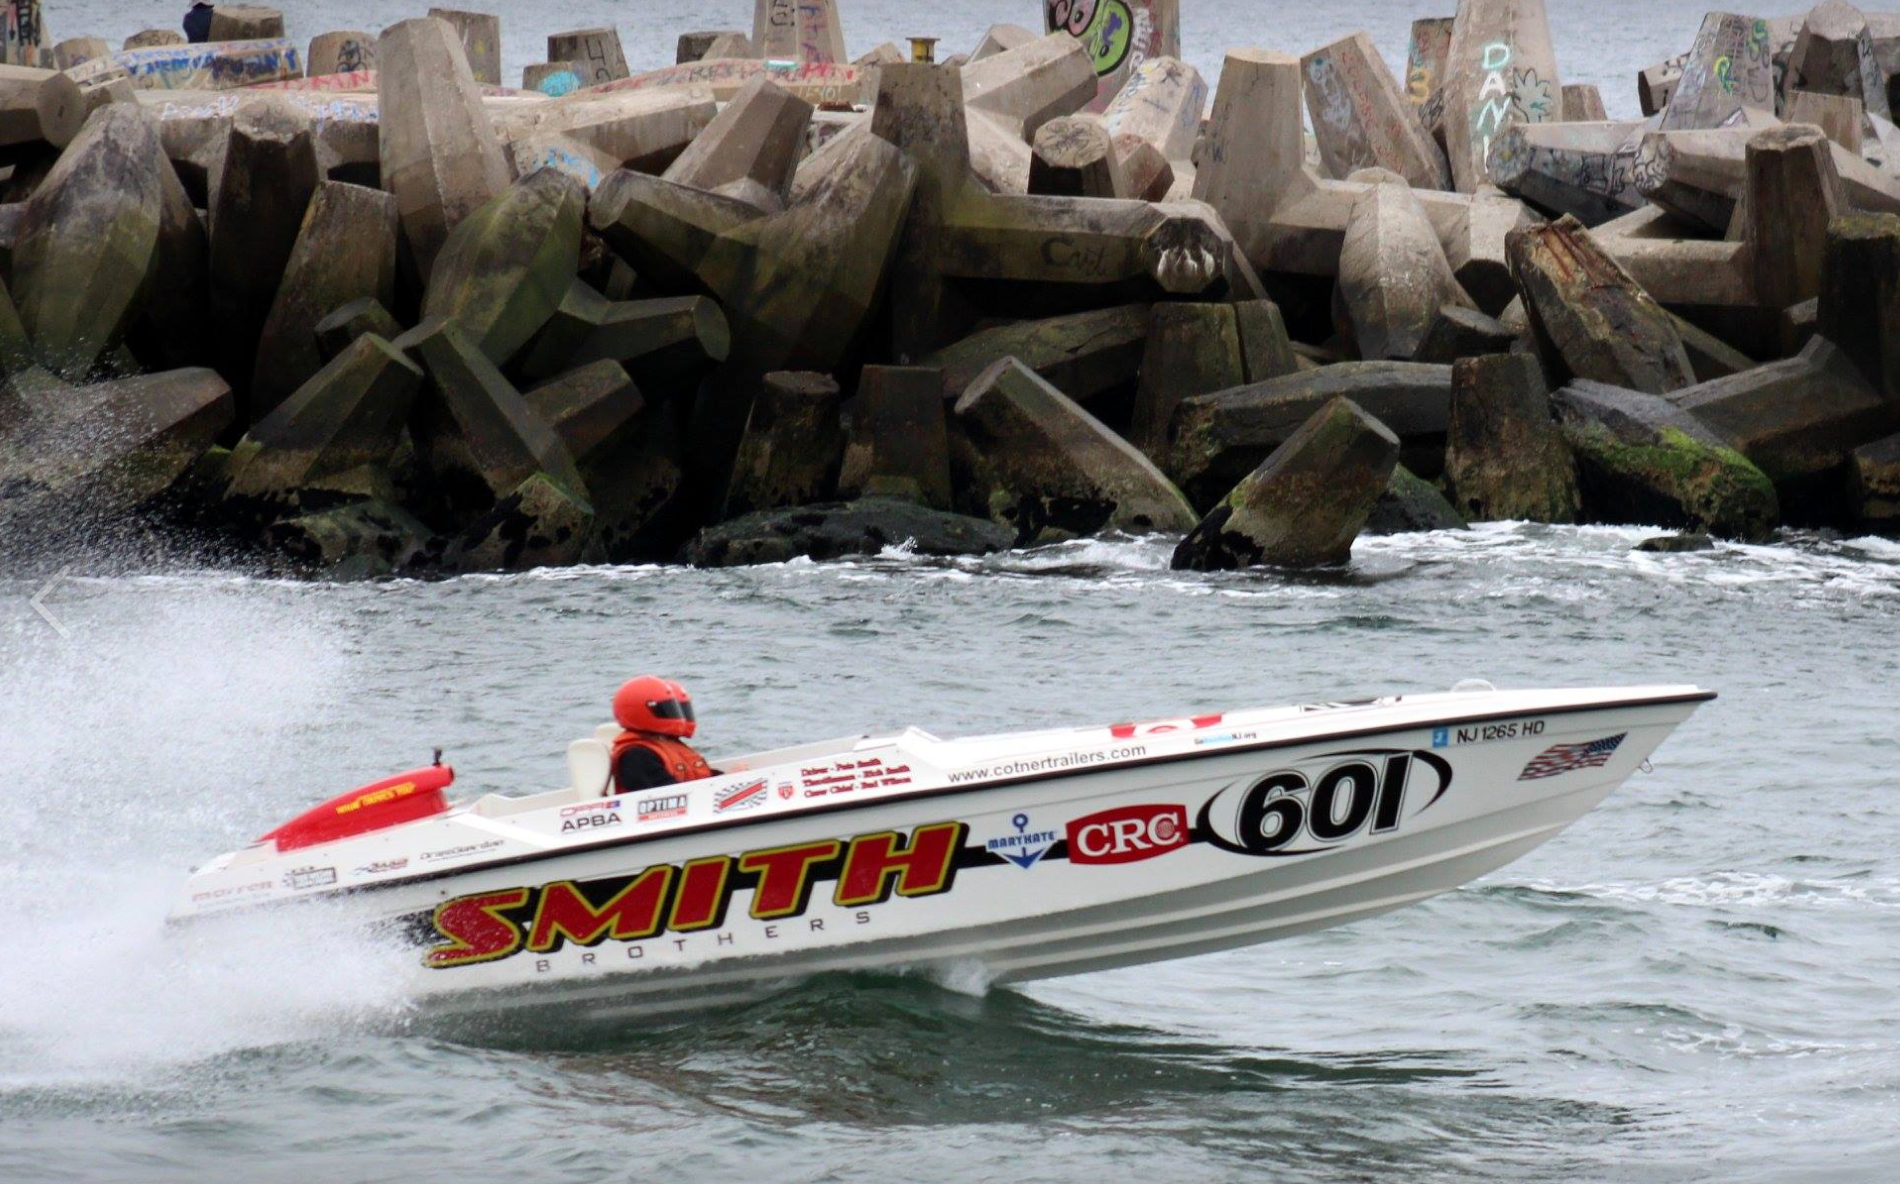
(1024, 848)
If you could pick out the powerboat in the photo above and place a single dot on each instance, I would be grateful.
(1009, 857)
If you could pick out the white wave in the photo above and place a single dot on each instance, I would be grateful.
(1741, 890)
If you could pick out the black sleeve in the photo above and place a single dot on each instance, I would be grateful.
(640, 768)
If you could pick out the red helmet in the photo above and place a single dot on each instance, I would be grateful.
(656, 705)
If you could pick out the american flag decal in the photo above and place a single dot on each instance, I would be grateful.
(1562, 758)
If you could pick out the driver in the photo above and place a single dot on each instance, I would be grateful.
(656, 718)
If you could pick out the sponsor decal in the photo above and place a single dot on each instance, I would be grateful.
(233, 892)
(1567, 758)
(1128, 834)
(785, 789)
(460, 852)
(657, 809)
(733, 798)
(309, 877)
(864, 871)
(1024, 847)
(1161, 727)
(1058, 762)
(848, 774)
(591, 816)
(381, 867)
(1226, 738)
(1448, 737)
(1323, 802)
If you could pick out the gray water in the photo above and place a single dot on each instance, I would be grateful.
(1604, 42)
(1696, 982)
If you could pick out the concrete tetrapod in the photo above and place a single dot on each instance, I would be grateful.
(505, 269)
(1219, 438)
(107, 450)
(1859, 305)
(1500, 69)
(1643, 460)
(1504, 457)
(1305, 504)
(541, 523)
(1591, 319)
(475, 432)
(588, 408)
(751, 149)
(898, 446)
(345, 251)
(1876, 486)
(87, 245)
(1192, 349)
(1361, 119)
(332, 438)
(347, 322)
(1799, 420)
(1393, 275)
(1025, 456)
(1833, 54)
(1086, 355)
(437, 147)
(269, 175)
(792, 447)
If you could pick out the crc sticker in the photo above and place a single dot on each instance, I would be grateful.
(1128, 834)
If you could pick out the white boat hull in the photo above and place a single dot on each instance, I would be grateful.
(1216, 836)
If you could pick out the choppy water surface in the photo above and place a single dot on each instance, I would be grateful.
(1697, 982)
(1604, 42)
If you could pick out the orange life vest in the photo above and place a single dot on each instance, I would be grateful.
(678, 756)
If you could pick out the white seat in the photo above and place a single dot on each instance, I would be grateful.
(607, 734)
(590, 768)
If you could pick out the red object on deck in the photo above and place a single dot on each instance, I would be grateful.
(402, 798)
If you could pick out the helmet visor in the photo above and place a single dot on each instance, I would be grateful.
(670, 709)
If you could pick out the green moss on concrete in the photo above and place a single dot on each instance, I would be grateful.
(1716, 486)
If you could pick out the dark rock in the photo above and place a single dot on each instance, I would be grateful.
(361, 540)
(1459, 332)
(792, 446)
(644, 508)
(1643, 460)
(1591, 319)
(1306, 504)
(863, 527)
(1026, 456)
(658, 340)
(1877, 485)
(1793, 190)
(898, 445)
(1676, 544)
(543, 523)
(1219, 438)
(1504, 457)
(1411, 505)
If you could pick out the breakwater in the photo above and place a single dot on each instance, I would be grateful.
(364, 308)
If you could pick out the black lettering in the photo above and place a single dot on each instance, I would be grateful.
(542, 966)
(1359, 782)
(724, 939)
(1270, 816)
(1392, 793)
(771, 931)
(863, 917)
(816, 924)
(587, 959)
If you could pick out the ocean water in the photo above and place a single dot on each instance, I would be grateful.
(1696, 982)
(1604, 42)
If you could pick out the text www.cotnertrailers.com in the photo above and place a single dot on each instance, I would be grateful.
(1049, 764)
